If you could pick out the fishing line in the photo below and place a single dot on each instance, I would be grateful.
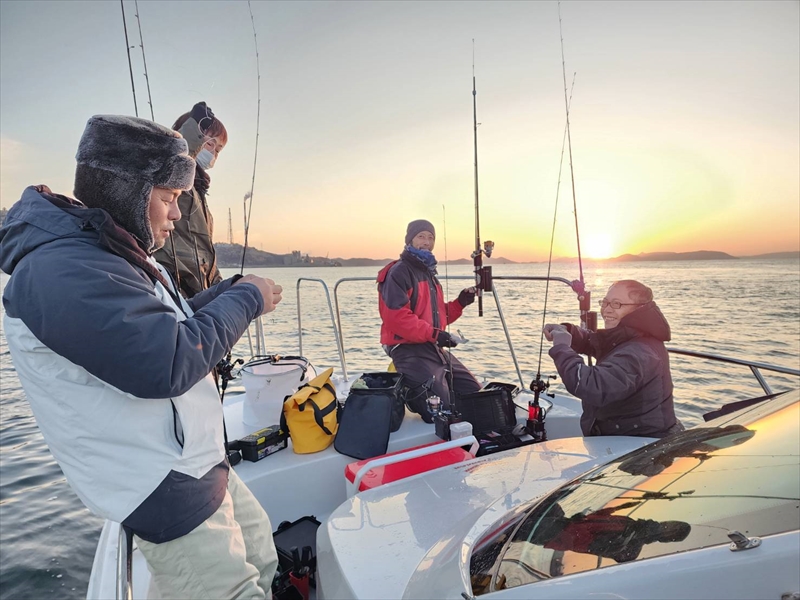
(446, 277)
(569, 145)
(552, 237)
(144, 60)
(447, 326)
(249, 195)
(128, 50)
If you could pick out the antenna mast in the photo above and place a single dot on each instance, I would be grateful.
(483, 275)
(128, 50)
(230, 228)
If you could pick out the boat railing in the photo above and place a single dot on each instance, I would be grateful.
(755, 367)
(124, 564)
(336, 322)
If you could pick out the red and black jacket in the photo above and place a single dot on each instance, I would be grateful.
(411, 303)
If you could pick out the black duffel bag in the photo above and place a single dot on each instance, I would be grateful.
(386, 384)
(370, 413)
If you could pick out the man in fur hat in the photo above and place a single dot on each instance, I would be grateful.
(115, 364)
(414, 319)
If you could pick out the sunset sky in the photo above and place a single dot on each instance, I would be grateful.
(685, 120)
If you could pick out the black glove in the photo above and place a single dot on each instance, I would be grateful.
(466, 297)
(445, 340)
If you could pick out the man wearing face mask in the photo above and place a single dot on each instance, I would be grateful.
(629, 390)
(189, 255)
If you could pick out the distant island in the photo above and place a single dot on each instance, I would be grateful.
(230, 255)
(697, 255)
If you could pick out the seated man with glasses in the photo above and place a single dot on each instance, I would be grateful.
(629, 390)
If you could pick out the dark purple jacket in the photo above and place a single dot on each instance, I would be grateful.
(629, 390)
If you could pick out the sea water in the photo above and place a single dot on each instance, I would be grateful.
(740, 308)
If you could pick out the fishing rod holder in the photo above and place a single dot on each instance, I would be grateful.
(534, 425)
(483, 276)
(588, 316)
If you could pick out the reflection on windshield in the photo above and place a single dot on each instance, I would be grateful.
(681, 493)
(604, 533)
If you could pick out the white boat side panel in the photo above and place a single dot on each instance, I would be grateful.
(380, 550)
(768, 571)
(290, 486)
(104, 567)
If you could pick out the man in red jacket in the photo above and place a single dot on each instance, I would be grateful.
(414, 318)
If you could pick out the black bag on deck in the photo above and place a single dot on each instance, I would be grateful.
(300, 535)
(369, 415)
(492, 413)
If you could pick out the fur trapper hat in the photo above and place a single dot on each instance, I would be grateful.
(120, 160)
(417, 227)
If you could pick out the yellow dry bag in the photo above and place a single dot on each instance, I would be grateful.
(311, 415)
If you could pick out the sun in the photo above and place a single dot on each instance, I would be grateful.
(597, 245)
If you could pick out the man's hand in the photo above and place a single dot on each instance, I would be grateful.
(557, 334)
(270, 291)
(467, 296)
(445, 340)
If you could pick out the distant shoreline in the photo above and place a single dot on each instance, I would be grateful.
(230, 256)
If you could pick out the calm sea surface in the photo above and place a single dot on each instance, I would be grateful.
(740, 308)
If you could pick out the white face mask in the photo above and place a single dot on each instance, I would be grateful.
(205, 158)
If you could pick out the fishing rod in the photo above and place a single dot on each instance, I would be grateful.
(128, 50)
(144, 60)
(588, 317)
(483, 274)
(535, 422)
(226, 365)
(249, 195)
(447, 295)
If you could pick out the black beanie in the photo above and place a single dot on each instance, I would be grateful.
(120, 160)
(416, 227)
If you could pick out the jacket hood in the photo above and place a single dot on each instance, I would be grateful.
(41, 217)
(648, 320)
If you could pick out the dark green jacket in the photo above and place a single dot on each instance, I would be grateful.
(192, 241)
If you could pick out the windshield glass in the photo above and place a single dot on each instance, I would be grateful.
(681, 493)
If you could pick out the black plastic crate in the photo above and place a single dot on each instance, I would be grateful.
(511, 388)
(488, 410)
(298, 534)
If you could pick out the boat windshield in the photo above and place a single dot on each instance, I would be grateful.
(681, 493)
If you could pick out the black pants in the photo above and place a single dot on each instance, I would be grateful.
(419, 362)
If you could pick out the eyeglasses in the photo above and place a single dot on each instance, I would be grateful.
(616, 304)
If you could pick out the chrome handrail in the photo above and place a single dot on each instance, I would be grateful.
(336, 331)
(755, 366)
(336, 321)
(124, 565)
(338, 324)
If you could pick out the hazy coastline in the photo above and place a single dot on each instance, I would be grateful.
(230, 256)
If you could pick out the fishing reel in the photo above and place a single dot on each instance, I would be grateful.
(540, 385)
(534, 425)
(225, 370)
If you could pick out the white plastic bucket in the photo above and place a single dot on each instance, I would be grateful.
(267, 381)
